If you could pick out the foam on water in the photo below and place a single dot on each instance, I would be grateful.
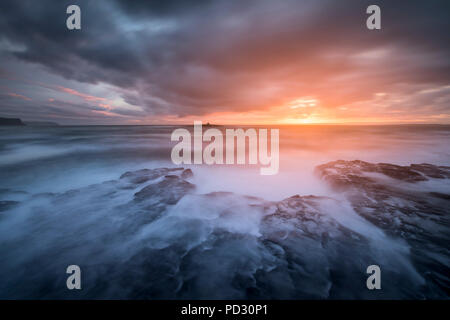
(73, 208)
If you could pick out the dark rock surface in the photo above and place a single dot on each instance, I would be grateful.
(401, 210)
(144, 175)
(169, 191)
(150, 235)
(6, 205)
(342, 174)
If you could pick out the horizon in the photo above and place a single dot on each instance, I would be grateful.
(24, 121)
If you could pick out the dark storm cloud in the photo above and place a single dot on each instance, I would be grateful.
(85, 56)
(161, 7)
(199, 56)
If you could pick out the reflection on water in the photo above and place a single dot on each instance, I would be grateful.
(55, 159)
(223, 231)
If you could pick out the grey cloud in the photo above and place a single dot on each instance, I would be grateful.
(223, 55)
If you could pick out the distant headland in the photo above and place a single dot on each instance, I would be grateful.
(19, 122)
(11, 122)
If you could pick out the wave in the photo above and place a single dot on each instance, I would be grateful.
(151, 234)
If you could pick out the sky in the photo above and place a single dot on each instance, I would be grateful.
(225, 62)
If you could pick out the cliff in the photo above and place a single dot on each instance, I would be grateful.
(11, 122)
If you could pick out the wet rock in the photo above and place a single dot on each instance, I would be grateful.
(441, 172)
(6, 205)
(187, 174)
(440, 195)
(168, 191)
(416, 215)
(343, 174)
(167, 242)
(144, 175)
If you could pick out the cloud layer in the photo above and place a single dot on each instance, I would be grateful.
(156, 61)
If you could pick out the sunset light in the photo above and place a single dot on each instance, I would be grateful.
(225, 159)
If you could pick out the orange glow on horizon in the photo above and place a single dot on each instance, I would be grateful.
(297, 116)
(379, 108)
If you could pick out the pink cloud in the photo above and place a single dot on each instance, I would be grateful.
(105, 106)
(19, 96)
(86, 97)
(106, 113)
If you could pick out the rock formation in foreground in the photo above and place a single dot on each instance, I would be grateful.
(149, 234)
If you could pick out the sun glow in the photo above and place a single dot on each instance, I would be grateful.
(303, 103)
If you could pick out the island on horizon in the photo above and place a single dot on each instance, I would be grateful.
(11, 122)
(19, 122)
